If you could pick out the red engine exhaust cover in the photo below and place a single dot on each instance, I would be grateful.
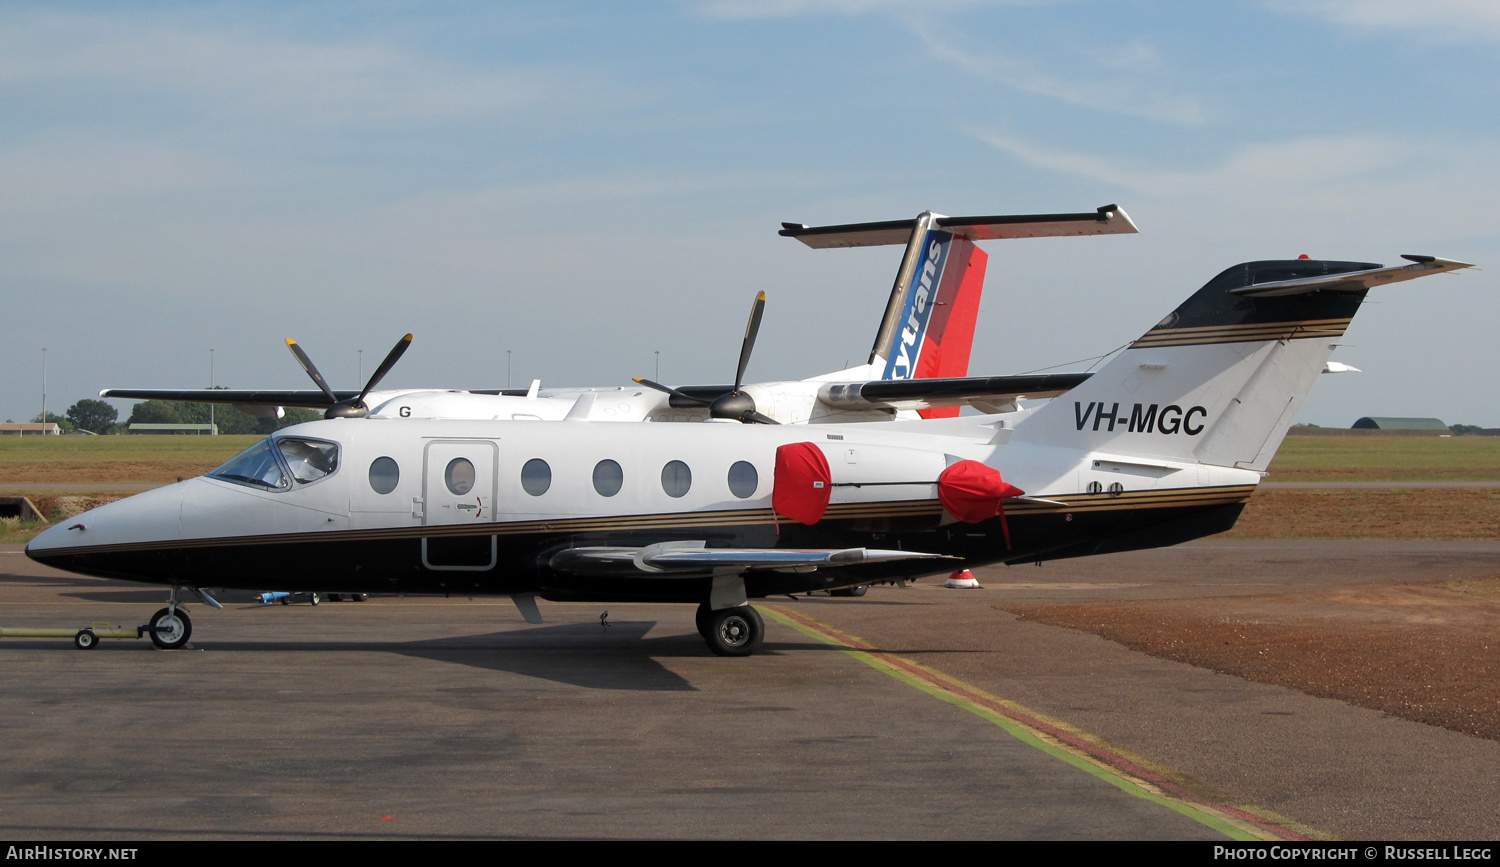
(803, 483)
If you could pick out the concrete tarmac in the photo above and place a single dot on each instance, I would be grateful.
(440, 719)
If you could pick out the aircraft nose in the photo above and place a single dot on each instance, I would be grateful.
(88, 542)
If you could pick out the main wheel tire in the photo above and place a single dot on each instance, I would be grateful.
(735, 631)
(315, 599)
(174, 628)
(857, 590)
(85, 639)
(357, 597)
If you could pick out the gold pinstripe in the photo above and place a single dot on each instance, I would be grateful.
(1295, 330)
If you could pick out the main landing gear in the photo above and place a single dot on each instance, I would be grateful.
(736, 631)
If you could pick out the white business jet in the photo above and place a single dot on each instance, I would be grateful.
(1164, 444)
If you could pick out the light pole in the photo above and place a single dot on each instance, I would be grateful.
(211, 429)
(507, 368)
(44, 389)
(658, 365)
(361, 377)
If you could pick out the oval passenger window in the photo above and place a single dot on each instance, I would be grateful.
(608, 478)
(743, 479)
(384, 475)
(459, 476)
(536, 477)
(676, 479)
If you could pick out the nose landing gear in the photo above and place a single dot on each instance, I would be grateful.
(170, 628)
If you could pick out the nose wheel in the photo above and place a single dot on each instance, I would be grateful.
(172, 628)
(736, 631)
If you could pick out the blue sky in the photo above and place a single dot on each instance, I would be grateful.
(585, 184)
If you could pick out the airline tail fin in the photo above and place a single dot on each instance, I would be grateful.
(1222, 377)
(945, 349)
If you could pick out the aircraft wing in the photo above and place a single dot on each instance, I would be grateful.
(1108, 220)
(1353, 281)
(309, 399)
(955, 391)
(670, 559)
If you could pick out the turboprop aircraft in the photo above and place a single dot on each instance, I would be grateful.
(926, 334)
(1164, 444)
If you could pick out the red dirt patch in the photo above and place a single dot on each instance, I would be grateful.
(1435, 513)
(1424, 652)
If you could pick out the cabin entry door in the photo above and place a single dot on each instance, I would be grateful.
(458, 495)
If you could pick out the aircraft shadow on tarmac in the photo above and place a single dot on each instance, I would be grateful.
(578, 654)
(143, 596)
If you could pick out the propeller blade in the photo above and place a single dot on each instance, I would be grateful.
(751, 330)
(311, 369)
(758, 418)
(385, 367)
(674, 392)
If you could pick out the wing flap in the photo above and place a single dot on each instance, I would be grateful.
(693, 558)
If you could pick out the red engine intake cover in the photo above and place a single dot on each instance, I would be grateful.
(972, 491)
(803, 483)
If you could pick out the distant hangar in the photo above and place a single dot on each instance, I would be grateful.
(1376, 422)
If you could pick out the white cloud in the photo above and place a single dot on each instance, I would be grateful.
(1456, 20)
(234, 70)
(1117, 89)
(1116, 92)
(1281, 164)
(797, 8)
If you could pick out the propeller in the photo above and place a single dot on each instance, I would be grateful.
(353, 407)
(736, 404)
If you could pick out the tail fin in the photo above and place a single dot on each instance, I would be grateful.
(1221, 379)
(934, 267)
(945, 350)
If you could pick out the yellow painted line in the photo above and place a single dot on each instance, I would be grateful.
(1132, 774)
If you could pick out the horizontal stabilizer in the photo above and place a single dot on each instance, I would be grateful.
(1353, 281)
(1108, 220)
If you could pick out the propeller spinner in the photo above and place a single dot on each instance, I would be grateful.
(353, 407)
(736, 404)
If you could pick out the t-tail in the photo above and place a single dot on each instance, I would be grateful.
(1221, 378)
(927, 330)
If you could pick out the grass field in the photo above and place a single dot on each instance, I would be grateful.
(1378, 514)
(84, 460)
(1387, 459)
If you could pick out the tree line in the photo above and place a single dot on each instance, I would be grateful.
(96, 416)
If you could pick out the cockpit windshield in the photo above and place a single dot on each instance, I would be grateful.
(309, 460)
(256, 466)
(305, 461)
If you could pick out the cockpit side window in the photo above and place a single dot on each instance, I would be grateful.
(309, 460)
(255, 467)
